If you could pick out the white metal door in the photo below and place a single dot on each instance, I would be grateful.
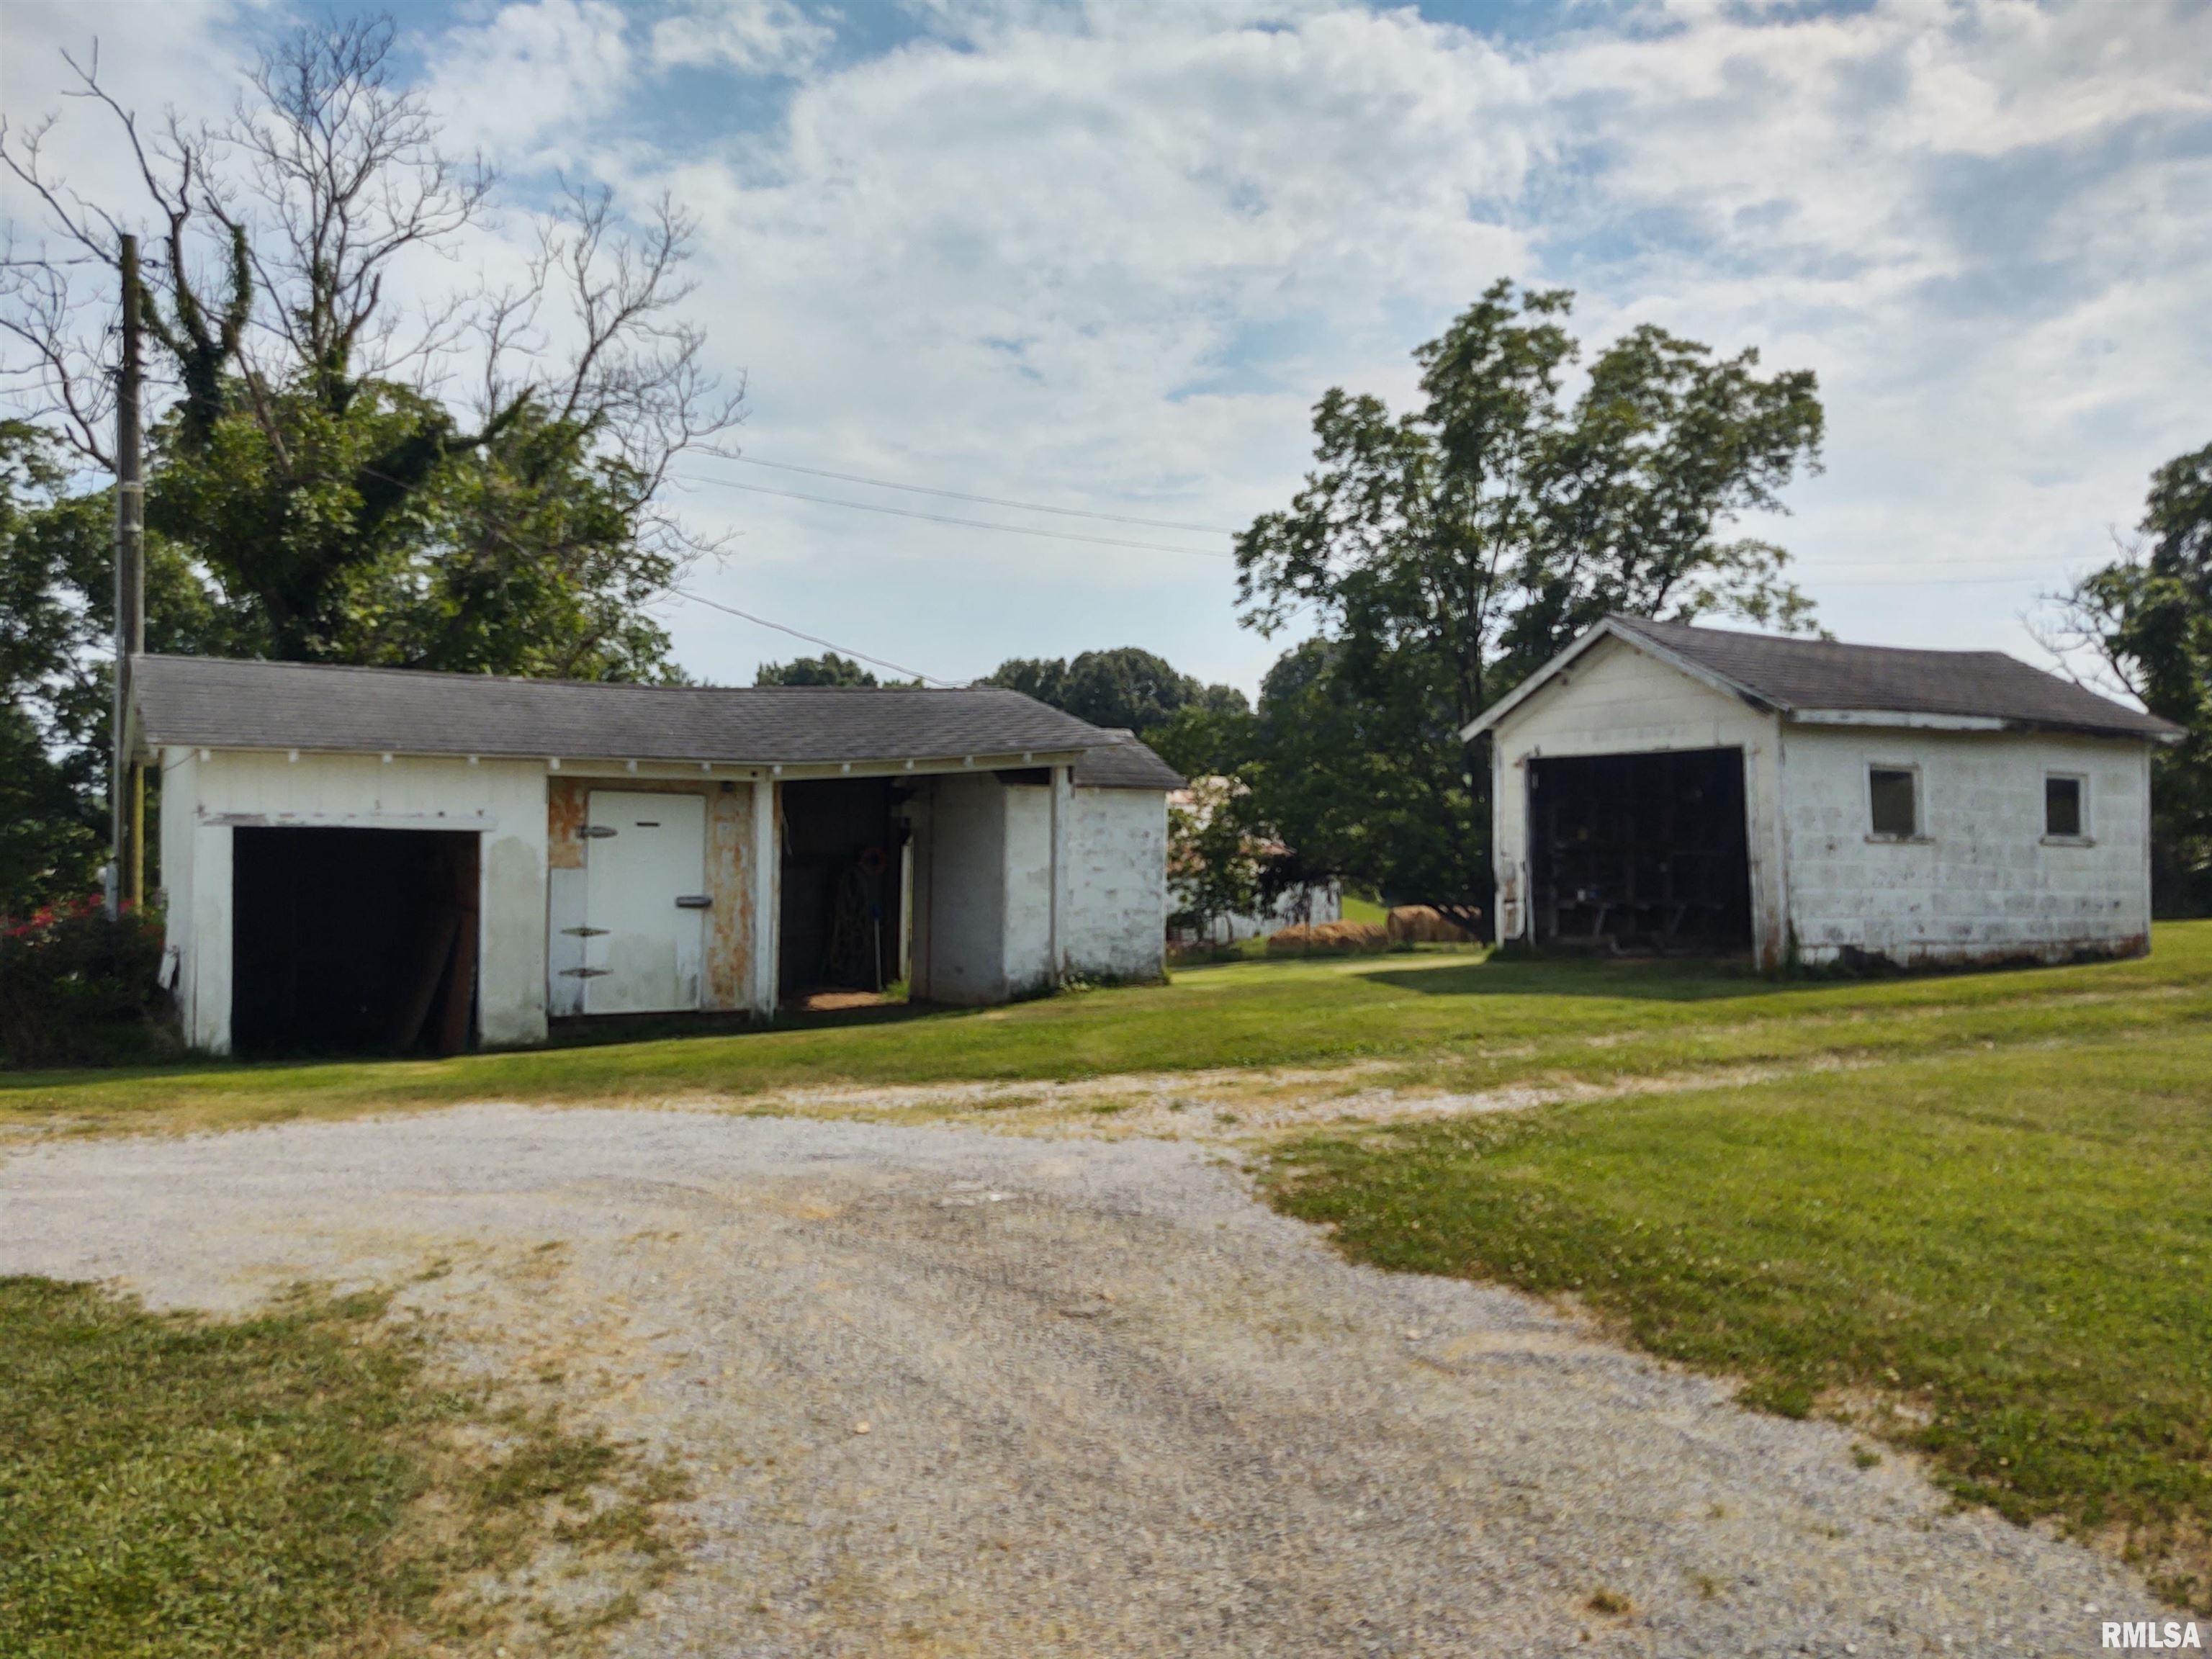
(645, 863)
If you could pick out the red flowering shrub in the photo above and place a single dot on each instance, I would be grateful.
(78, 989)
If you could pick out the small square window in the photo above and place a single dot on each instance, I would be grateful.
(1891, 791)
(2062, 806)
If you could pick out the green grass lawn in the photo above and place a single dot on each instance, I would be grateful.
(290, 1483)
(2000, 1257)
(1435, 1018)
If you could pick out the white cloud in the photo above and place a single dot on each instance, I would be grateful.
(750, 37)
(1109, 254)
(533, 75)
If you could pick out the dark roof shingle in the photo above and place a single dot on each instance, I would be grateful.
(1800, 674)
(218, 704)
(1124, 763)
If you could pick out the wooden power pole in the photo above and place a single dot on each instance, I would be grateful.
(127, 778)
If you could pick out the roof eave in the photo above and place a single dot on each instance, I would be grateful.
(619, 765)
(1896, 719)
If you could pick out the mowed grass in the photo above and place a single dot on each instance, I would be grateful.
(1435, 1018)
(2001, 1258)
(289, 1483)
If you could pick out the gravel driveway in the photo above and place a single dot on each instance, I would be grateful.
(944, 1392)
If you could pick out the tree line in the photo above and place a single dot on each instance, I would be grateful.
(349, 463)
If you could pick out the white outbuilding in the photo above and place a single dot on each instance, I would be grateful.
(366, 858)
(1659, 786)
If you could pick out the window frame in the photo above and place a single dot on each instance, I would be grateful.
(2083, 824)
(1919, 835)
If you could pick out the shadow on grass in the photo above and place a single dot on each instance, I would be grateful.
(1652, 979)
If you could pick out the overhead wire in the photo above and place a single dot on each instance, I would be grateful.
(811, 639)
(942, 518)
(987, 501)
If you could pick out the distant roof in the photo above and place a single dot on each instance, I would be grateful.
(1805, 678)
(1124, 763)
(217, 704)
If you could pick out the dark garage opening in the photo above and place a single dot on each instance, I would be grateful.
(840, 928)
(353, 940)
(1641, 852)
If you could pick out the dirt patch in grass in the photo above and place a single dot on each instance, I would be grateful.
(303, 1479)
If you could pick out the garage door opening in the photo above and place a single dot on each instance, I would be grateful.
(1641, 853)
(353, 940)
(841, 928)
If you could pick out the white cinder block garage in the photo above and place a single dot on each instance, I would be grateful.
(1668, 787)
(357, 858)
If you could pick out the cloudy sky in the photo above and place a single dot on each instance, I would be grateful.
(1105, 257)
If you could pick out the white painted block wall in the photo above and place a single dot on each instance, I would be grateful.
(1982, 881)
(505, 798)
(1118, 854)
(1619, 701)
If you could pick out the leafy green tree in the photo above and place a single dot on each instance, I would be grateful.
(1213, 855)
(1447, 551)
(56, 613)
(1126, 688)
(333, 474)
(2148, 615)
(827, 669)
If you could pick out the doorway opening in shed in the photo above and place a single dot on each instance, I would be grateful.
(840, 939)
(353, 940)
(1641, 853)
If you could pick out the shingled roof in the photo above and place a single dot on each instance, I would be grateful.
(217, 704)
(1124, 763)
(1810, 677)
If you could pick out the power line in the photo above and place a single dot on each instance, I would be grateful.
(827, 645)
(987, 501)
(941, 517)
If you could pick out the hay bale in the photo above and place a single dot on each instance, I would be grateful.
(1422, 924)
(1329, 938)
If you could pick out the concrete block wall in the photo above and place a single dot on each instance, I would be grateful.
(1117, 850)
(1981, 882)
(1617, 700)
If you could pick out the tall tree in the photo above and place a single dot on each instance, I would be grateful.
(1449, 550)
(2148, 618)
(363, 473)
(342, 466)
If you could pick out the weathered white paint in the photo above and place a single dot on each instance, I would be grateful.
(1117, 884)
(761, 967)
(1012, 886)
(960, 861)
(206, 793)
(1981, 882)
(649, 949)
(1028, 874)
(1617, 700)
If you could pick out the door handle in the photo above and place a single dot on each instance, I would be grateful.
(694, 901)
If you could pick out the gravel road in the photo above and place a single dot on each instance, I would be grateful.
(950, 1393)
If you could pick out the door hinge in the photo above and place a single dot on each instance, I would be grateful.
(585, 932)
(585, 973)
(693, 901)
(595, 831)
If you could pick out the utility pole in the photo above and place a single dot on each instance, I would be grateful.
(126, 777)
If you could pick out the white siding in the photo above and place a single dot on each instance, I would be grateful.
(508, 797)
(1981, 882)
(1118, 851)
(1618, 700)
(961, 906)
